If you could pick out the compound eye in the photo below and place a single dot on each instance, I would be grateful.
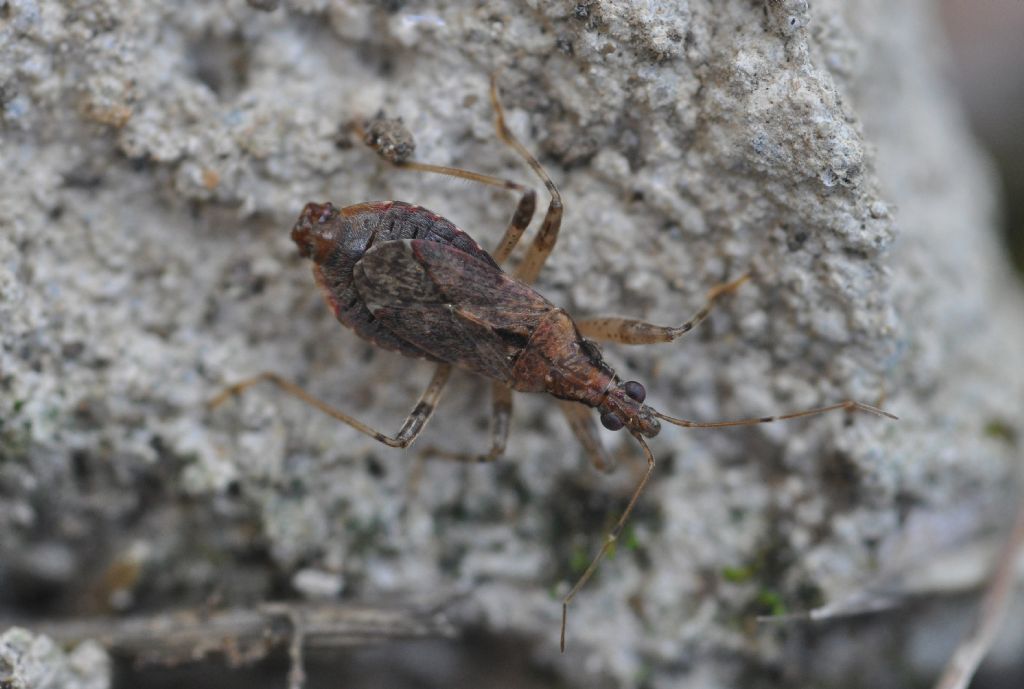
(635, 390)
(611, 421)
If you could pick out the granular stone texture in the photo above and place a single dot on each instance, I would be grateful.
(29, 661)
(155, 156)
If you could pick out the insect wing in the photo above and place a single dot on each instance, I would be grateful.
(450, 304)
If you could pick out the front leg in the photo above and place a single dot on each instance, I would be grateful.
(581, 421)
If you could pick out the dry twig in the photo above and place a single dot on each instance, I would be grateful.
(244, 635)
(972, 649)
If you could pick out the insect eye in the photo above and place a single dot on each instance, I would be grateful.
(611, 421)
(635, 390)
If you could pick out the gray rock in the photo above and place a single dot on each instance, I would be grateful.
(33, 661)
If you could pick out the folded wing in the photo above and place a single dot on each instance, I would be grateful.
(446, 302)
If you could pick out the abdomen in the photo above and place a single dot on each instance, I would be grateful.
(366, 225)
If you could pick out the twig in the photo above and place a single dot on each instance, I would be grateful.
(972, 649)
(297, 671)
(244, 635)
(862, 602)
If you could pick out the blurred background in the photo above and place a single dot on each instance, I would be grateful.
(987, 69)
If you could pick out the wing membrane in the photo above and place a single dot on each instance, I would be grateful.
(450, 304)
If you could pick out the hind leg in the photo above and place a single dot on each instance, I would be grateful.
(520, 217)
(547, 236)
(525, 208)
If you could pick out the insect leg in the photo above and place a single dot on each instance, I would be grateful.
(630, 331)
(546, 237)
(848, 405)
(501, 401)
(581, 420)
(520, 217)
(610, 539)
(410, 429)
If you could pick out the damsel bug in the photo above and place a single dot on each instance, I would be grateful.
(410, 281)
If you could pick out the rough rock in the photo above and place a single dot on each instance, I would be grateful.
(30, 661)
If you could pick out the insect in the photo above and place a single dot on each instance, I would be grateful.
(411, 282)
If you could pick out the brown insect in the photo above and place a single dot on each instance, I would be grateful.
(410, 281)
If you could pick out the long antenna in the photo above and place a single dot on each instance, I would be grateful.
(610, 539)
(848, 405)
